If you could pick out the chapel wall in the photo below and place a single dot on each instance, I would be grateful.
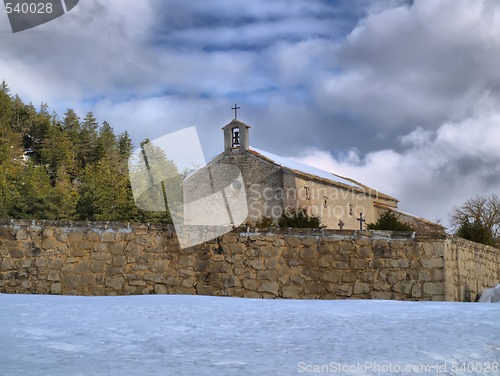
(342, 203)
(271, 191)
(260, 178)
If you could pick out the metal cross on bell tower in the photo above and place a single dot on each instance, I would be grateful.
(235, 108)
(361, 220)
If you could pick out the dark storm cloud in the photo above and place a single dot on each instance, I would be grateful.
(268, 56)
(418, 65)
(225, 24)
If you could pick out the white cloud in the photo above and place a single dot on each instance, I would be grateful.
(436, 171)
(416, 66)
(157, 116)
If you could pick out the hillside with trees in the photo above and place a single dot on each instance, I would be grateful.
(63, 168)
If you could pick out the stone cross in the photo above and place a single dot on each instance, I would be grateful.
(361, 220)
(235, 108)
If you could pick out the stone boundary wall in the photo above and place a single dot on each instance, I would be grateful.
(470, 268)
(44, 257)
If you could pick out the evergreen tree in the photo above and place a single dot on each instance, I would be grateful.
(56, 152)
(71, 123)
(6, 134)
(7, 189)
(106, 146)
(38, 132)
(159, 181)
(125, 146)
(23, 117)
(69, 169)
(477, 232)
(104, 194)
(71, 128)
(5, 106)
(62, 199)
(4, 87)
(87, 140)
(10, 153)
(32, 186)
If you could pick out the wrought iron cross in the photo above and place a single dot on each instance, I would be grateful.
(361, 220)
(235, 108)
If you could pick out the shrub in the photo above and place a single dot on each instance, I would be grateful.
(476, 232)
(298, 218)
(389, 221)
(264, 222)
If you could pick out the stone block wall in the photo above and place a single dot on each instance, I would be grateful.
(470, 268)
(261, 179)
(117, 259)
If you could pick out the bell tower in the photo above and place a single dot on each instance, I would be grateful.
(235, 135)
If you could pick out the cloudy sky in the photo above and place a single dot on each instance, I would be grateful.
(403, 96)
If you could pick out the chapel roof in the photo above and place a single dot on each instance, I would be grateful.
(236, 122)
(406, 214)
(316, 174)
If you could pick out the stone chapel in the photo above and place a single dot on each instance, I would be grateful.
(273, 185)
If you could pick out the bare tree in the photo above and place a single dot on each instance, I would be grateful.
(483, 211)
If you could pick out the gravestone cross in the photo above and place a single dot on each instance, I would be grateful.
(361, 220)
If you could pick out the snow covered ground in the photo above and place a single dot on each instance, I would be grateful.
(196, 335)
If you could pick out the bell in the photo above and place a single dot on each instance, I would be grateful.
(236, 138)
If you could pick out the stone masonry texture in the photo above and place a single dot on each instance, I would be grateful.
(44, 257)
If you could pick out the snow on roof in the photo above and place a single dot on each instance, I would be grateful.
(307, 171)
(300, 167)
